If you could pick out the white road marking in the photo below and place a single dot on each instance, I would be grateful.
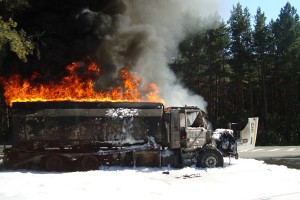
(274, 149)
(292, 149)
(254, 150)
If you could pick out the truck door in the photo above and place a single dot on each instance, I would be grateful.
(195, 130)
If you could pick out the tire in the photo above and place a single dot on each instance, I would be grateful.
(90, 163)
(210, 158)
(53, 163)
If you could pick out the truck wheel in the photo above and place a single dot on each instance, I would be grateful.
(53, 163)
(89, 163)
(210, 158)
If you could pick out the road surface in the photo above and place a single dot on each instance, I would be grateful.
(278, 155)
(272, 152)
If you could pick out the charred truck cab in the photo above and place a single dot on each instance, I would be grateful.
(189, 139)
(68, 136)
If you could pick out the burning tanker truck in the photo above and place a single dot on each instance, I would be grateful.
(67, 136)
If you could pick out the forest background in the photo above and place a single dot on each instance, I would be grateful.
(242, 68)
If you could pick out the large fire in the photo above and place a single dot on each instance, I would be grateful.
(75, 87)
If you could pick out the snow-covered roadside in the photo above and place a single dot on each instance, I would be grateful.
(242, 179)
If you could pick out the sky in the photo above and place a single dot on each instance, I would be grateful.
(245, 179)
(271, 8)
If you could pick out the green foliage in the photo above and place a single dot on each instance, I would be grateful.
(16, 39)
(294, 48)
(260, 34)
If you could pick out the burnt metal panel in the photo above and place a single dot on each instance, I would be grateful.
(84, 112)
(196, 137)
(89, 121)
(73, 105)
(175, 129)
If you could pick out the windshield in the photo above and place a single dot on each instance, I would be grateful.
(194, 119)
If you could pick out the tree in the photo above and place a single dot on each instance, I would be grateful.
(240, 60)
(261, 52)
(286, 31)
(17, 40)
(216, 51)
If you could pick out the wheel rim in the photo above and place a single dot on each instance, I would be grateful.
(211, 161)
(90, 163)
(54, 163)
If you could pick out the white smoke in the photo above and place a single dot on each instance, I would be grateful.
(163, 20)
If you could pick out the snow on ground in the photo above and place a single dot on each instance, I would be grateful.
(242, 179)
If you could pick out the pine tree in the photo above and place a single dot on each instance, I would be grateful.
(286, 30)
(216, 49)
(241, 58)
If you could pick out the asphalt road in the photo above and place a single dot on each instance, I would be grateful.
(272, 152)
(278, 155)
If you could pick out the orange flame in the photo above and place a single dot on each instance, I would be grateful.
(75, 88)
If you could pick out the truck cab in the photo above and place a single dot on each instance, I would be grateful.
(189, 137)
(186, 127)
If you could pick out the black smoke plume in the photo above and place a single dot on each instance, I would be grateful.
(140, 35)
